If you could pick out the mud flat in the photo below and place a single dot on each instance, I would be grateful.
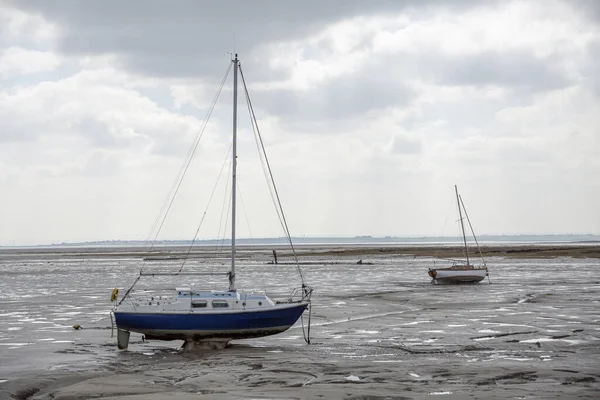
(512, 251)
(379, 330)
(535, 250)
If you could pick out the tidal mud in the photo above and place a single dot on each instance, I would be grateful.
(379, 330)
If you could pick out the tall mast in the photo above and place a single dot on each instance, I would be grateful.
(462, 223)
(233, 177)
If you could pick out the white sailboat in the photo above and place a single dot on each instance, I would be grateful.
(212, 318)
(461, 272)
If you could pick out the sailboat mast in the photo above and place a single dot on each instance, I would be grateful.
(462, 223)
(233, 177)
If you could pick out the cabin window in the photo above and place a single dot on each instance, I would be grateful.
(220, 304)
(199, 303)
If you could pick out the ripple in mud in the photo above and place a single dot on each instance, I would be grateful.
(74, 351)
(515, 377)
(497, 335)
(375, 397)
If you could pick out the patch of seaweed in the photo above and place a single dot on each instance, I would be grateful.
(25, 394)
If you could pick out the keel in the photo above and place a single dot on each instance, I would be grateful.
(123, 339)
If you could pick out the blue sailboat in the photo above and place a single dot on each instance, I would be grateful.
(211, 318)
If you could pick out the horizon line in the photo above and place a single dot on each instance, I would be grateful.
(307, 237)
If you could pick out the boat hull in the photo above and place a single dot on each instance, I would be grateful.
(457, 276)
(203, 326)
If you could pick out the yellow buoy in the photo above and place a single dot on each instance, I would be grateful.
(76, 326)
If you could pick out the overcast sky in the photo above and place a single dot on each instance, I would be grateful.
(370, 110)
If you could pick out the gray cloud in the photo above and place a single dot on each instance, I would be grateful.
(406, 145)
(16, 130)
(590, 69)
(385, 82)
(410, 111)
(186, 37)
(511, 68)
(590, 9)
(344, 96)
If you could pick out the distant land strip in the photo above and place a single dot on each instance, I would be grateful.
(357, 240)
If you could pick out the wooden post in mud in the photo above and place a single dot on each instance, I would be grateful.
(275, 256)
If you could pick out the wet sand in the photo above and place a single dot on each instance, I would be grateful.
(524, 250)
(512, 251)
(379, 330)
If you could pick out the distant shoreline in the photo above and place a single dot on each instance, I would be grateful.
(363, 240)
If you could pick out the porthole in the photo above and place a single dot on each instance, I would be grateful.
(244, 304)
(260, 303)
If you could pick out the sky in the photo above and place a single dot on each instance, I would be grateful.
(370, 111)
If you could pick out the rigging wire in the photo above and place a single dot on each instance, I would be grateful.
(239, 192)
(461, 230)
(283, 219)
(179, 178)
(226, 200)
(253, 245)
(266, 170)
(475, 237)
(205, 211)
(187, 161)
(261, 157)
(471, 227)
(263, 163)
(459, 235)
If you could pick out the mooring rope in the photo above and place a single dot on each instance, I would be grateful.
(306, 334)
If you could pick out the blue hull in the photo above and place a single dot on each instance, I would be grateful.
(207, 326)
